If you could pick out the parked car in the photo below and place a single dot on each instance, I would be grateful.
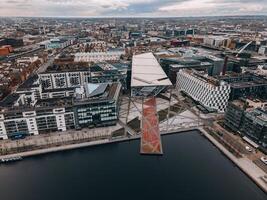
(264, 160)
(248, 149)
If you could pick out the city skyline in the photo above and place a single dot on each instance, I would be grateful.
(130, 99)
(131, 8)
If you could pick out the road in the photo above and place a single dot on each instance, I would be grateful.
(239, 144)
(44, 66)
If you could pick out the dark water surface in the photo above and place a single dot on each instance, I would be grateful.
(191, 168)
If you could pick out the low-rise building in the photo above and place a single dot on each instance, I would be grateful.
(113, 55)
(90, 105)
(5, 50)
(72, 75)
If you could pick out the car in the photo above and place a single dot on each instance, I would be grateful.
(264, 160)
(248, 149)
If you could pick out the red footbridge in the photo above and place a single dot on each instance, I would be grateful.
(147, 81)
(150, 138)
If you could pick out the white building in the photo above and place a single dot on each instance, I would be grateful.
(56, 43)
(262, 50)
(209, 92)
(89, 105)
(32, 123)
(99, 56)
(212, 40)
(57, 80)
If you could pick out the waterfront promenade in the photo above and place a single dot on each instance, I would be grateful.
(246, 165)
(84, 144)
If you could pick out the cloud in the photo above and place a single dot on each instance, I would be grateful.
(152, 8)
(193, 5)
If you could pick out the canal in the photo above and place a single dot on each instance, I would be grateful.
(190, 169)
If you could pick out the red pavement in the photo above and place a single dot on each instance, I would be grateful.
(150, 140)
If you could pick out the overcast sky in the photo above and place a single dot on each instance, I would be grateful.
(151, 8)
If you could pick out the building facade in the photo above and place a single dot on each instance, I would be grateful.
(246, 85)
(99, 56)
(209, 92)
(248, 119)
(59, 78)
(234, 115)
(90, 105)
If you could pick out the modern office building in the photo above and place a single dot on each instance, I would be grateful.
(246, 85)
(97, 105)
(248, 118)
(173, 65)
(72, 75)
(193, 58)
(234, 114)
(255, 126)
(105, 73)
(89, 105)
(209, 92)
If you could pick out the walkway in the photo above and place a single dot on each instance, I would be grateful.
(150, 140)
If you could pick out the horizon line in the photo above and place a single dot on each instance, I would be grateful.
(131, 16)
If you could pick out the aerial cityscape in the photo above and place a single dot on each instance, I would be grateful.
(123, 99)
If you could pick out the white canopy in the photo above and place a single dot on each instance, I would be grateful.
(146, 71)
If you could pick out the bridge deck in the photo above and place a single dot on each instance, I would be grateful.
(150, 140)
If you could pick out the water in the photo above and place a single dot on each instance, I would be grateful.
(190, 169)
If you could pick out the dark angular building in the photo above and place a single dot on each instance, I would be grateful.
(254, 125)
(235, 114)
(11, 41)
(246, 85)
(247, 121)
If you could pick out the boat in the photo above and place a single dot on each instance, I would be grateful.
(10, 159)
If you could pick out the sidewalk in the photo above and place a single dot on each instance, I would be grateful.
(246, 165)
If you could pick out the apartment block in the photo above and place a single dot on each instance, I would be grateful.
(209, 92)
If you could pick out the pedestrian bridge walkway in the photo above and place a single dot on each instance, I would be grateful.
(150, 138)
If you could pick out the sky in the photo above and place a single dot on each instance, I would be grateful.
(133, 8)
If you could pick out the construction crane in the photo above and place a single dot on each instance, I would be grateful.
(239, 51)
(243, 48)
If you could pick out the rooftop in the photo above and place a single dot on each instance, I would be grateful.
(243, 80)
(200, 75)
(146, 71)
(259, 115)
(89, 93)
(67, 68)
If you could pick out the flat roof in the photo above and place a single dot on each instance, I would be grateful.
(146, 71)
